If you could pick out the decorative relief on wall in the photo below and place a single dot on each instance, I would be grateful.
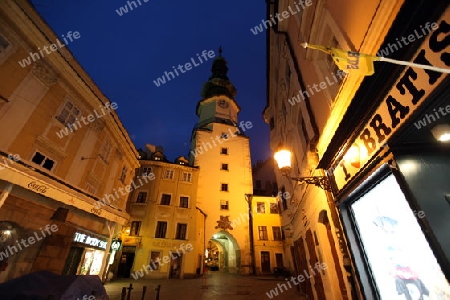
(45, 73)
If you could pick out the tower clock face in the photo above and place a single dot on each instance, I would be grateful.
(223, 103)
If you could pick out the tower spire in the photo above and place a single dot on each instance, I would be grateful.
(219, 83)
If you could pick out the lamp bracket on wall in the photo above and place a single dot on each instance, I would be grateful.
(319, 181)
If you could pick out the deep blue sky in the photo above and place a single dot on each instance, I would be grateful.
(124, 54)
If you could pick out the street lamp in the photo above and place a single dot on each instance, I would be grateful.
(283, 159)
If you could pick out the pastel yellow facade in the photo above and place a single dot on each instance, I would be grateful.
(221, 150)
(267, 235)
(162, 239)
(62, 148)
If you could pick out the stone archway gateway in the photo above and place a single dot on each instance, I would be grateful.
(224, 251)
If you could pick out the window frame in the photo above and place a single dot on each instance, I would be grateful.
(187, 201)
(162, 198)
(168, 172)
(154, 262)
(123, 174)
(105, 150)
(138, 198)
(260, 205)
(138, 226)
(181, 232)
(65, 120)
(224, 150)
(225, 206)
(224, 167)
(276, 232)
(145, 174)
(186, 177)
(161, 230)
(262, 233)
(224, 187)
(44, 160)
(274, 208)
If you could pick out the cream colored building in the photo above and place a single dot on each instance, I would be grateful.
(221, 150)
(164, 237)
(313, 110)
(55, 167)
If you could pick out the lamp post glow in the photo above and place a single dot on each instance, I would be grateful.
(441, 132)
(283, 158)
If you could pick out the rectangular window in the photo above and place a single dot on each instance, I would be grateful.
(187, 176)
(168, 174)
(161, 229)
(105, 151)
(123, 174)
(224, 167)
(223, 204)
(146, 171)
(154, 259)
(276, 230)
(262, 230)
(165, 199)
(141, 197)
(224, 187)
(224, 151)
(135, 227)
(260, 208)
(68, 114)
(181, 232)
(274, 208)
(184, 201)
(43, 161)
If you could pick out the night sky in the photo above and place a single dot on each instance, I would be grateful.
(124, 54)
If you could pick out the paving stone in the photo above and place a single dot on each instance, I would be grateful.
(215, 286)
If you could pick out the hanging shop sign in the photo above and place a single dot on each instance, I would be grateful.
(89, 240)
(410, 90)
(115, 245)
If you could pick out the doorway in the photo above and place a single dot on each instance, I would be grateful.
(265, 262)
(175, 266)
(73, 260)
(125, 265)
(279, 260)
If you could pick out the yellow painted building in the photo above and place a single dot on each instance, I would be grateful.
(221, 150)
(267, 235)
(62, 149)
(162, 239)
(341, 127)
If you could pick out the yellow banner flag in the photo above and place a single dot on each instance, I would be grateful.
(349, 61)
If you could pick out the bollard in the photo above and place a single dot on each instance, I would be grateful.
(124, 293)
(129, 291)
(144, 290)
(157, 291)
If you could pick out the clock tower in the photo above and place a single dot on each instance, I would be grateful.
(221, 151)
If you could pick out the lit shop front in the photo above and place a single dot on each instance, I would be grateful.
(392, 176)
(86, 254)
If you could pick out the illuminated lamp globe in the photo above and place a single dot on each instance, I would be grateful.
(283, 159)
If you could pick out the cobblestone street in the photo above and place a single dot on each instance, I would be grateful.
(215, 286)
